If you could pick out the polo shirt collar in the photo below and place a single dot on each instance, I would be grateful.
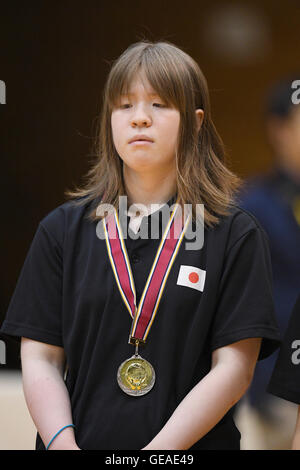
(135, 221)
(150, 210)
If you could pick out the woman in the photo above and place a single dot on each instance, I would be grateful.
(160, 341)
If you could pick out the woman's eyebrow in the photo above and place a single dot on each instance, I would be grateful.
(132, 94)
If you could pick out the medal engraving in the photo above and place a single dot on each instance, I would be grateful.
(136, 376)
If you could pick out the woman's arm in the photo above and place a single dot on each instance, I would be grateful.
(45, 392)
(207, 403)
(296, 438)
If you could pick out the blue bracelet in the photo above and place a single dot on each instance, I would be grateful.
(58, 432)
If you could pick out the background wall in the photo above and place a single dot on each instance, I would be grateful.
(54, 59)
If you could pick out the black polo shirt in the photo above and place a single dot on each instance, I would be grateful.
(67, 296)
(285, 379)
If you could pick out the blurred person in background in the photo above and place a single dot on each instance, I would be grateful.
(274, 198)
(285, 379)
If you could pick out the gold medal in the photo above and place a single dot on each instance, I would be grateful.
(136, 376)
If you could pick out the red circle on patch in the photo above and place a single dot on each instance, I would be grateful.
(193, 277)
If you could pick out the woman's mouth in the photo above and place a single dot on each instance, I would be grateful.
(141, 140)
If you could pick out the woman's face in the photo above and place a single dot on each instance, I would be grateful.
(145, 129)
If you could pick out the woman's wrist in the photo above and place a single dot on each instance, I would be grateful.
(63, 439)
(66, 447)
(64, 444)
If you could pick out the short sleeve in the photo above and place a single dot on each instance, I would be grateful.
(245, 307)
(285, 379)
(35, 308)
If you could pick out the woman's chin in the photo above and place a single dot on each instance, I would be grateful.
(140, 164)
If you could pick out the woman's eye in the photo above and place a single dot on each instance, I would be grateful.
(129, 105)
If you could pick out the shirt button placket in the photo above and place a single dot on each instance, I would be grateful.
(135, 258)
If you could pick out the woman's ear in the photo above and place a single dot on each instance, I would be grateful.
(199, 117)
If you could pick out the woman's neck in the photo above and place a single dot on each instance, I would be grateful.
(148, 189)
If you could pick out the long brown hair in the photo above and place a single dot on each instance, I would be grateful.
(202, 176)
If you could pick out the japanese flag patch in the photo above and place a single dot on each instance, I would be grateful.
(190, 276)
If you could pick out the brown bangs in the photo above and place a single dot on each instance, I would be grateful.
(163, 73)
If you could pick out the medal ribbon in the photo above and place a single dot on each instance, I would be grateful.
(144, 315)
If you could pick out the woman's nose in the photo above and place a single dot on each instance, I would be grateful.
(141, 118)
